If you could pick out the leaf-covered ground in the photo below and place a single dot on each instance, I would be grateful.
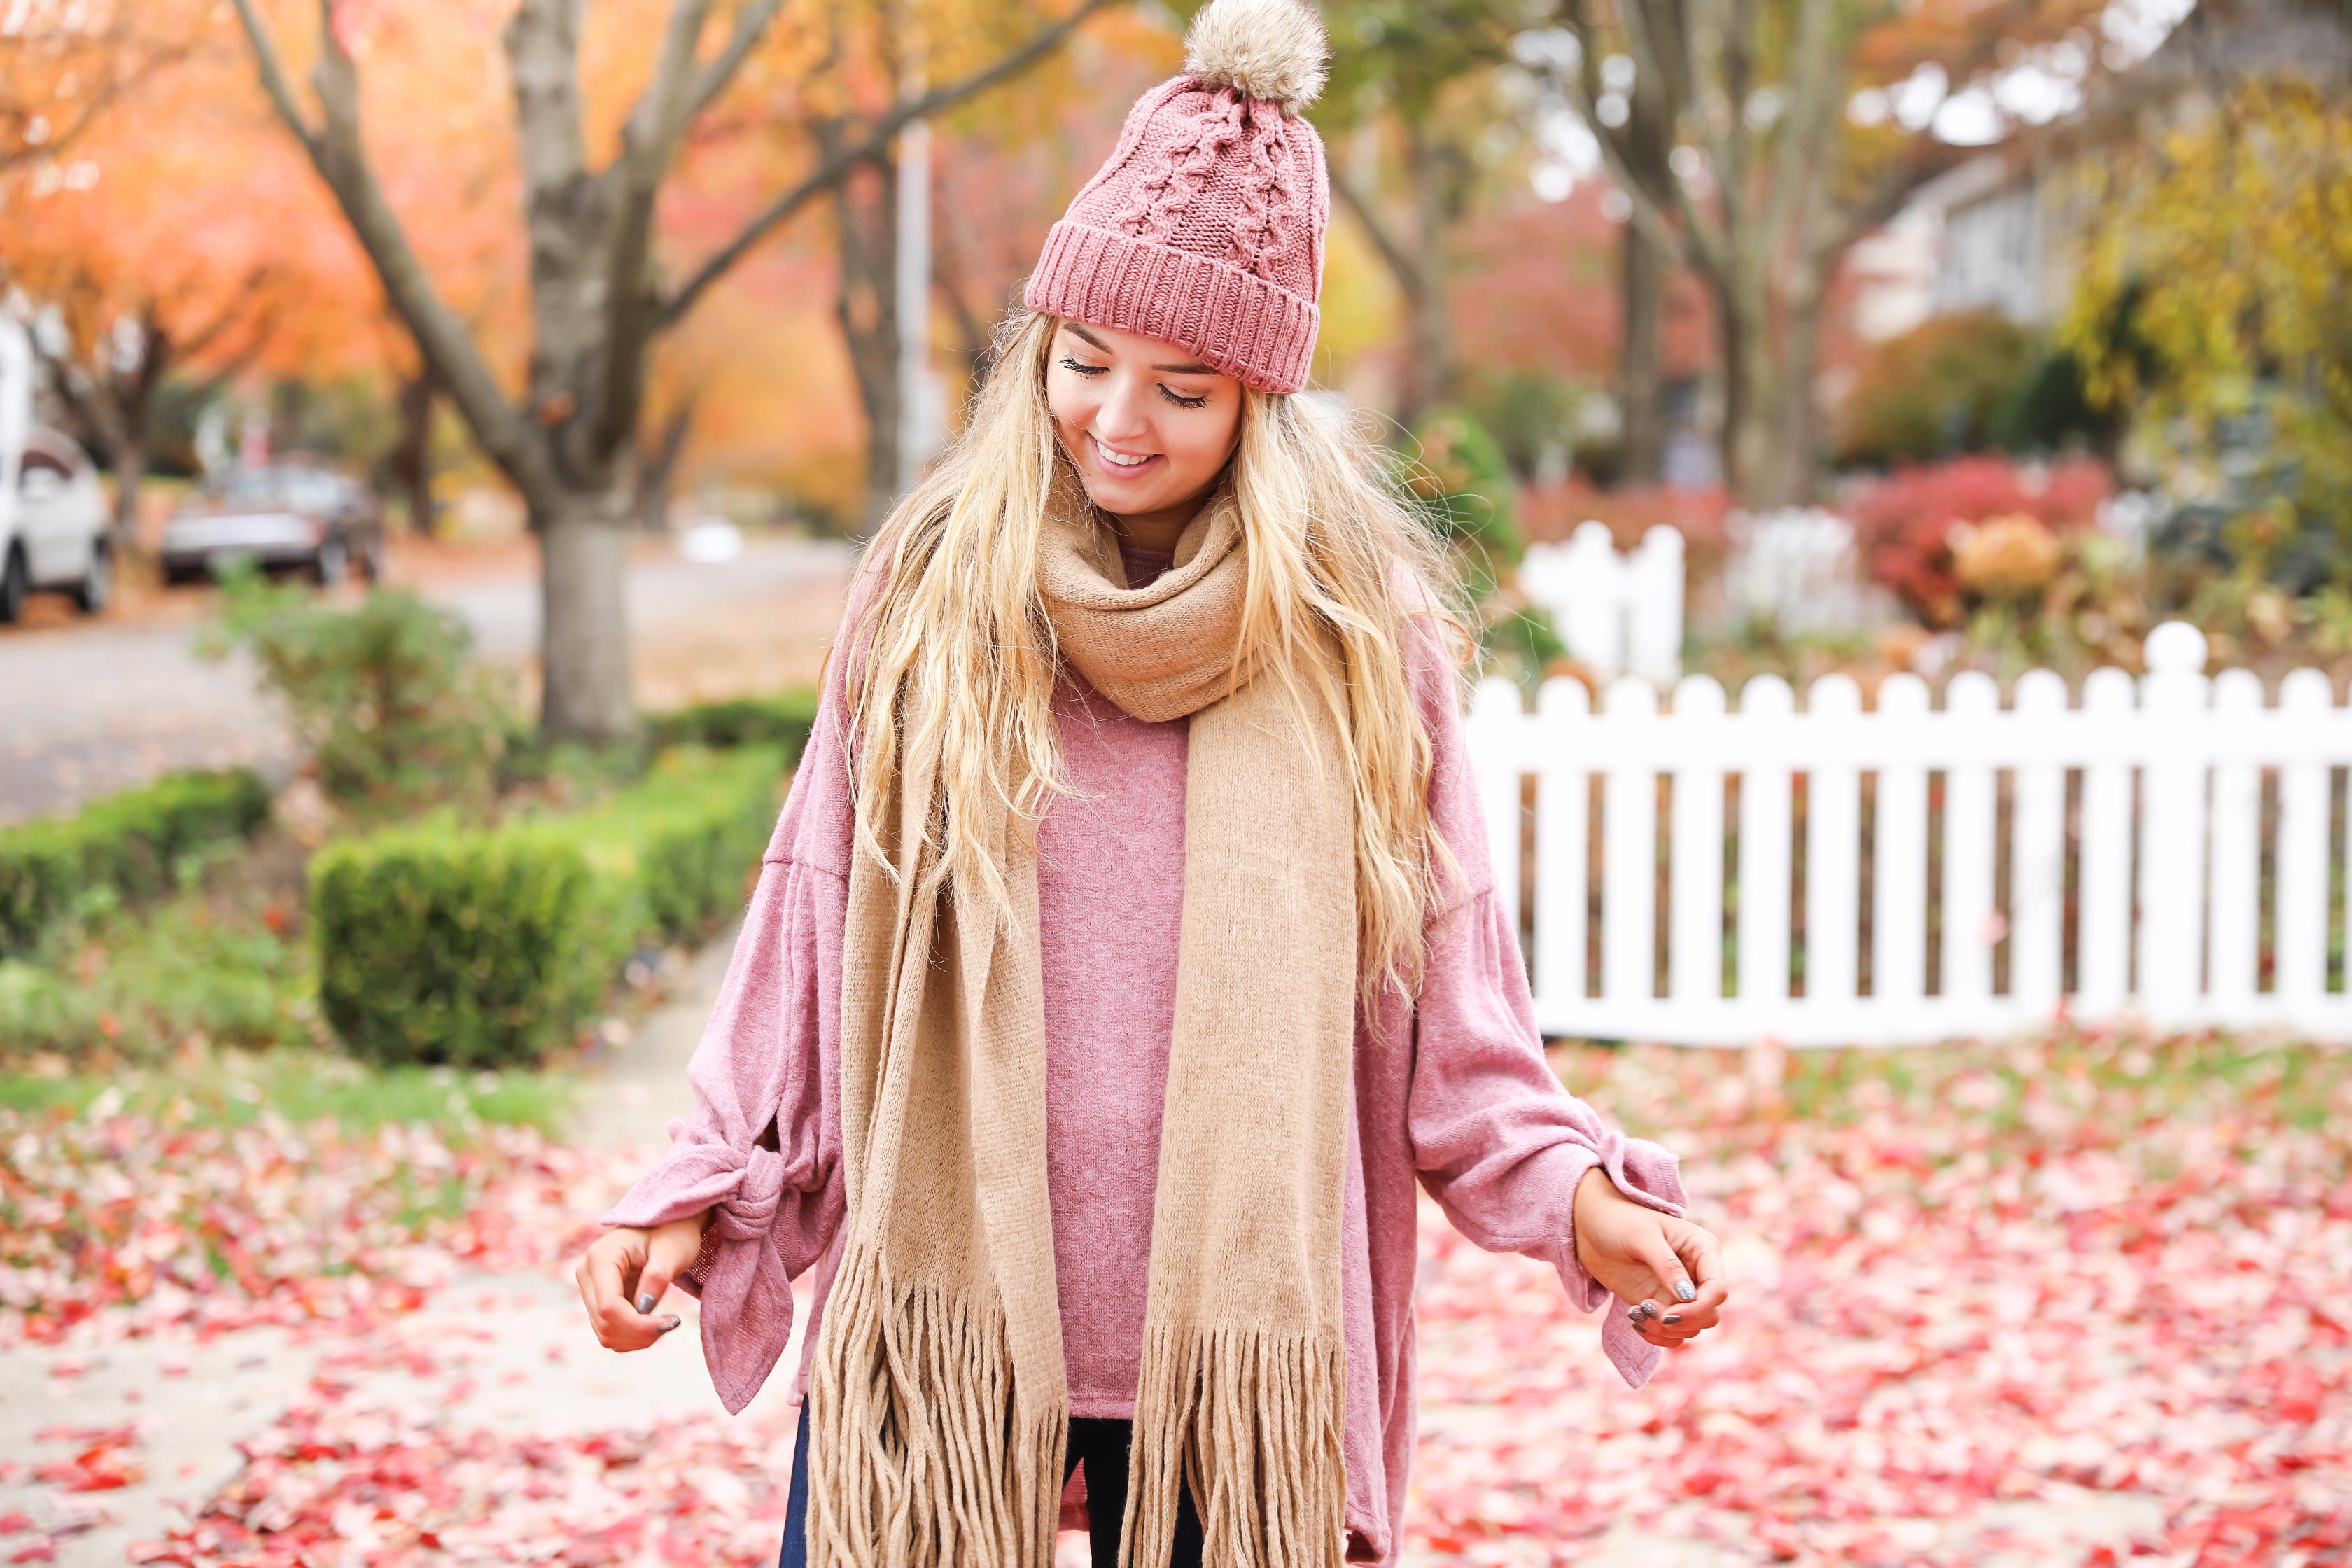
(1968, 1282)
(1963, 1278)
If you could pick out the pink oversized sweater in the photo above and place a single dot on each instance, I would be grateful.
(1453, 1094)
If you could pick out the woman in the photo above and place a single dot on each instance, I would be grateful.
(1126, 950)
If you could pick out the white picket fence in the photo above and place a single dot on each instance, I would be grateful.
(1617, 614)
(2134, 829)
(1795, 571)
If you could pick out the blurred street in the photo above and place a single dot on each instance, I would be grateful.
(89, 707)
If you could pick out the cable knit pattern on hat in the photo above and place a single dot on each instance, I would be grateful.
(1192, 232)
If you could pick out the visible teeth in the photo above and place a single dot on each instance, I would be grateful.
(1120, 459)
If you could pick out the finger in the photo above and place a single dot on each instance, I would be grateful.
(601, 1277)
(1654, 1252)
(1702, 1254)
(619, 1329)
(670, 1253)
(1705, 1312)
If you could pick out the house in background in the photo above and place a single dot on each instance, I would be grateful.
(2001, 230)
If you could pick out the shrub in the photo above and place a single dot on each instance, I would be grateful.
(383, 696)
(1534, 414)
(1904, 524)
(125, 845)
(132, 987)
(1465, 487)
(1939, 389)
(488, 947)
(783, 719)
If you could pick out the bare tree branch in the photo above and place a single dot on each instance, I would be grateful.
(649, 143)
(338, 153)
(1400, 260)
(835, 167)
(1809, 126)
(272, 71)
(751, 25)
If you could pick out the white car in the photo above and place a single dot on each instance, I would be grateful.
(55, 532)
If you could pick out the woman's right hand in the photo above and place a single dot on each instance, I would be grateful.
(624, 1275)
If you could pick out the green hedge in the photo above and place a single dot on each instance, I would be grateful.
(782, 720)
(484, 948)
(129, 845)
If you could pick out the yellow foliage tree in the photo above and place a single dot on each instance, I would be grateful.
(2214, 299)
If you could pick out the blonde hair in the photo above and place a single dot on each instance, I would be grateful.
(959, 617)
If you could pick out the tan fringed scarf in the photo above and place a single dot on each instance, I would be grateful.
(940, 1403)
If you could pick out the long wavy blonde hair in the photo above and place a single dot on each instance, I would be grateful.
(959, 617)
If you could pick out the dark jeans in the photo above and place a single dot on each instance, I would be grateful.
(1100, 1446)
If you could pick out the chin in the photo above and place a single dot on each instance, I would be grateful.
(1114, 495)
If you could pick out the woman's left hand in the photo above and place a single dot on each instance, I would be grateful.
(1668, 1269)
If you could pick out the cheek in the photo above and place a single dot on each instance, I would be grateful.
(1071, 400)
(1206, 440)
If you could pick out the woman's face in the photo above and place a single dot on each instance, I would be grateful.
(1148, 425)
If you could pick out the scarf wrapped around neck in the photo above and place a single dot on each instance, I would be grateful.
(939, 1401)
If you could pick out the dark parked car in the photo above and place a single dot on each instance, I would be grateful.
(284, 514)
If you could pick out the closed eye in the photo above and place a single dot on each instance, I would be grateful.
(1082, 368)
(1182, 402)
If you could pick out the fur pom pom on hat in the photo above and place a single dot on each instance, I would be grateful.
(1272, 49)
(1205, 228)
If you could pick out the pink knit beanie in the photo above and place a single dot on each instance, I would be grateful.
(1205, 228)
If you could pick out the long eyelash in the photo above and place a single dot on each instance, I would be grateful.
(1199, 402)
(1084, 369)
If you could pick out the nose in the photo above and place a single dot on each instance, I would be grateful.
(1120, 416)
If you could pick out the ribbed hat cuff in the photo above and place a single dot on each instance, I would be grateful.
(1236, 322)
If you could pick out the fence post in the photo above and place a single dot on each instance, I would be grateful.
(2234, 941)
(2037, 847)
(1765, 704)
(1629, 857)
(1591, 603)
(2102, 930)
(1655, 633)
(1833, 852)
(2303, 789)
(1695, 957)
(1562, 878)
(1972, 704)
(2172, 824)
(1898, 901)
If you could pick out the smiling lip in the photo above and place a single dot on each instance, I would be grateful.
(1112, 460)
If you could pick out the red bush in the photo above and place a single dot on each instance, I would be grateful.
(1902, 524)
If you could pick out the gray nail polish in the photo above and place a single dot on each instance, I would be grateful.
(669, 1322)
(1674, 1317)
(646, 1303)
(1682, 1292)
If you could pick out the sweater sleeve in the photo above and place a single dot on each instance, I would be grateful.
(762, 1147)
(1498, 1142)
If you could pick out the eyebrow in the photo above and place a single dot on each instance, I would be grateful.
(1188, 367)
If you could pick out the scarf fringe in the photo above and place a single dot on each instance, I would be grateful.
(1251, 1422)
(920, 1451)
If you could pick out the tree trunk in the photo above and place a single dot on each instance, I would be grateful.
(867, 306)
(1799, 450)
(1642, 441)
(657, 466)
(1753, 387)
(129, 459)
(584, 630)
(412, 455)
